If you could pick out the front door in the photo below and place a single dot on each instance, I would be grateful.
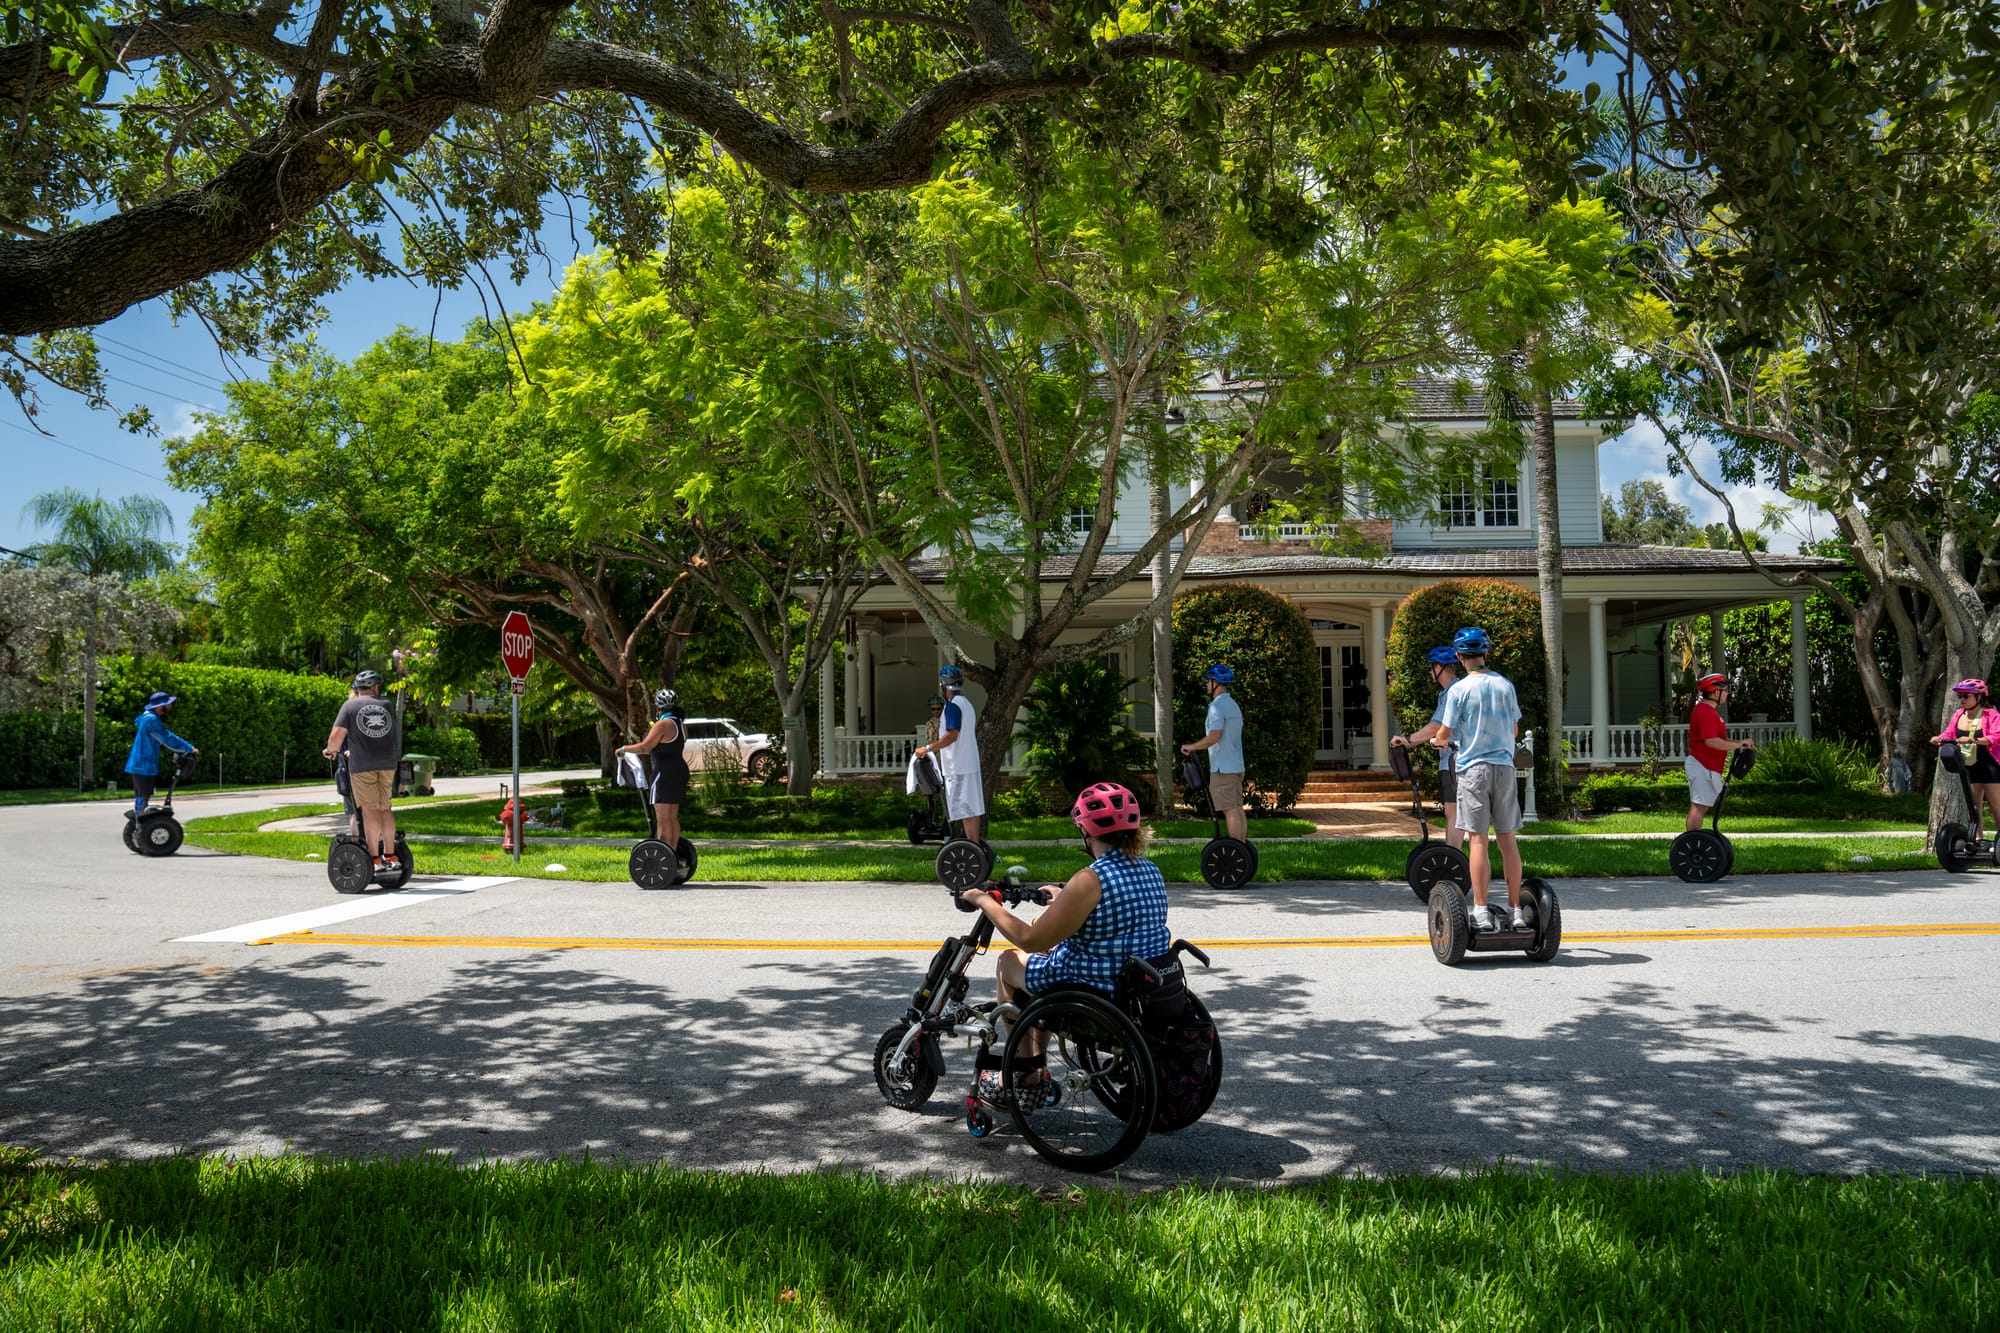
(1339, 658)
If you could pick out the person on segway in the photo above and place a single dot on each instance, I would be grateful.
(149, 737)
(1708, 742)
(666, 741)
(365, 728)
(957, 751)
(1112, 909)
(1482, 714)
(1976, 728)
(1224, 742)
(1443, 666)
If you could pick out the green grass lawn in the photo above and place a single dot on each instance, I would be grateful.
(1626, 821)
(298, 1243)
(65, 795)
(1293, 860)
(585, 820)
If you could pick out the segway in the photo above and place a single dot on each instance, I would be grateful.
(1453, 936)
(1429, 863)
(350, 861)
(1226, 862)
(154, 831)
(929, 823)
(653, 864)
(1957, 846)
(962, 863)
(1703, 855)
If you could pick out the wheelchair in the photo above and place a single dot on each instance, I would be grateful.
(1083, 1076)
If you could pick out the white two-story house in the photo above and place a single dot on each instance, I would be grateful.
(1619, 601)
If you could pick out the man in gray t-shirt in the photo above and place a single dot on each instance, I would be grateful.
(365, 728)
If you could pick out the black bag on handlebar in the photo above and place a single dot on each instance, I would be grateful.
(1193, 775)
(1180, 1036)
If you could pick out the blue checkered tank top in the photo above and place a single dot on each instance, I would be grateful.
(1130, 918)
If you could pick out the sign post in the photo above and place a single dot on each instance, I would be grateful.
(517, 653)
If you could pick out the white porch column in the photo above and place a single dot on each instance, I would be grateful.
(826, 714)
(851, 715)
(871, 630)
(1715, 662)
(1600, 688)
(1378, 684)
(1801, 677)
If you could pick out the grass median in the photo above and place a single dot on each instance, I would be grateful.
(1556, 858)
(298, 1243)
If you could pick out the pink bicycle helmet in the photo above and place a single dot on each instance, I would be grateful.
(1970, 685)
(1105, 808)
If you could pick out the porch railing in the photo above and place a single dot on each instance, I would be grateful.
(1287, 532)
(885, 754)
(1628, 744)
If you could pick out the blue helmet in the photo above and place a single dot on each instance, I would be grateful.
(1220, 673)
(1441, 657)
(953, 675)
(1471, 642)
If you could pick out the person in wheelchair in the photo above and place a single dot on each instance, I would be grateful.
(1109, 911)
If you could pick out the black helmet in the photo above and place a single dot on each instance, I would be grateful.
(665, 699)
(368, 680)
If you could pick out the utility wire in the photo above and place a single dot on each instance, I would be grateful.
(51, 439)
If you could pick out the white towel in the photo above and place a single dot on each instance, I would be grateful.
(631, 771)
(910, 778)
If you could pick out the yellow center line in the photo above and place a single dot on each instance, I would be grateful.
(1269, 942)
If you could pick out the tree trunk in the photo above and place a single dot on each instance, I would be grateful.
(1163, 653)
(798, 754)
(1014, 676)
(1548, 571)
(89, 780)
(607, 749)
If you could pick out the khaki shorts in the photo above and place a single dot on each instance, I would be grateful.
(373, 788)
(1487, 795)
(1225, 791)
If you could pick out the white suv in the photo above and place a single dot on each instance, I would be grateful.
(754, 750)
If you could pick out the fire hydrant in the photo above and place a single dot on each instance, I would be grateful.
(506, 818)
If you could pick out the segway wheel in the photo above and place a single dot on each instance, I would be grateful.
(653, 865)
(1954, 848)
(1548, 920)
(406, 865)
(1432, 863)
(1228, 863)
(1729, 850)
(132, 837)
(349, 866)
(1451, 929)
(1700, 856)
(916, 828)
(689, 859)
(963, 864)
(161, 836)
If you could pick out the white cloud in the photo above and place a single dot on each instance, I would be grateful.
(181, 421)
(1641, 454)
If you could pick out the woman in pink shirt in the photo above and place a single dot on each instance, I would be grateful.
(1976, 728)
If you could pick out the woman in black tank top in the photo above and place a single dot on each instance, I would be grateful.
(667, 743)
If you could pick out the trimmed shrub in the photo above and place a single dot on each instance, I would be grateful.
(260, 725)
(1269, 643)
(41, 749)
(1829, 765)
(1509, 613)
(457, 749)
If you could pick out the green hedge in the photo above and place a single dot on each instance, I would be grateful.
(40, 749)
(1512, 616)
(1786, 798)
(245, 718)
(493, 733)
(1269, 643)
(457, 749)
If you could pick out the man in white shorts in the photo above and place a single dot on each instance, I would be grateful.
(1483, 714)
(957, 752)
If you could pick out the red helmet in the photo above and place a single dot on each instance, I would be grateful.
(1714, 680)
(1970, 685)
(1105, 808)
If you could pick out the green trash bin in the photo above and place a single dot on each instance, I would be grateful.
(422, 768)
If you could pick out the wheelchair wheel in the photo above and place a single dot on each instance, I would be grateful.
(1451, 929)
(653, 865)
(1091, 1048)
(1954, 848)
(1548, 919)
(1699, 856)
(1429, 863)
(905, 1084)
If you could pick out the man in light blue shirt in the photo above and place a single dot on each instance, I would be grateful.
(1483, 714)
(1224, 742)
(1443, 665)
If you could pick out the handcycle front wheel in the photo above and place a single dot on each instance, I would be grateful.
(1105, 1090)
(905, 1084)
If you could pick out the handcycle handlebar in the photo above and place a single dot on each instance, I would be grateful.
(1009, 889)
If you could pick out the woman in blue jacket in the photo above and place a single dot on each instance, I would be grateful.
(143, 764)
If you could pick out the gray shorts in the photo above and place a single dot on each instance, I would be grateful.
(1488, 795)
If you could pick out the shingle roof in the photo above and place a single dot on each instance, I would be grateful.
(1438, 398)
(1604, 558)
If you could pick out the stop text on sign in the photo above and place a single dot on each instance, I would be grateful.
(517, 644)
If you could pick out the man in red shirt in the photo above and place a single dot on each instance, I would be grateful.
(1708, 742)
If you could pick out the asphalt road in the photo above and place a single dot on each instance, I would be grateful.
(1680, 1025)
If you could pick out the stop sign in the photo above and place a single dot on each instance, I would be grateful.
(517, 644)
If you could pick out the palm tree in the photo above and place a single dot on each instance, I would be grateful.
(100, 539)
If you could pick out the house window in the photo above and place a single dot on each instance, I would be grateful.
(1486, 499)
(1081, 518)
